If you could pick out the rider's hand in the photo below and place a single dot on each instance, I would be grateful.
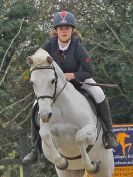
(69, 76)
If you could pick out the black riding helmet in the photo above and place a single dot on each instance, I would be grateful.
(64, 18)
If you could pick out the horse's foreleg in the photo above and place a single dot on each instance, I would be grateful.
(49, 149)
(87, 136)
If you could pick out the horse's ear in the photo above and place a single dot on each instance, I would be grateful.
(30, 60)
(49, 59)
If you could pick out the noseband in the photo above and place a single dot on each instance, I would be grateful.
(55, 95)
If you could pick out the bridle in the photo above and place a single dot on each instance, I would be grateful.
(55, 95)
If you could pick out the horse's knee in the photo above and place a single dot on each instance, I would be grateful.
(87, 134)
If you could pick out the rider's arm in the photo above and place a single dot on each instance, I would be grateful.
(83, 58)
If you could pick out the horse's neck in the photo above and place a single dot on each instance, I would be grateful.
(61, 83)
(64, 91)
(69, 96)
(71, 101)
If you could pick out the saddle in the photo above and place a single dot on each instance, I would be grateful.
(91, 101)
(95, 109)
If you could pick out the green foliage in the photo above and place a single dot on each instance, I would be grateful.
(26, 75)
(12, 154)
(107, 34)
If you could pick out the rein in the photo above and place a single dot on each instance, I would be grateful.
(55, 95)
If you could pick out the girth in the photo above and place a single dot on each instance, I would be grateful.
(89, 147)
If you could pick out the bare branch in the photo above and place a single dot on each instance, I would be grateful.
(26, 119)
(115, 35)
(7, 69)
(18, 114)
(109, 78)
(11, 44)
(100, 44)
(17, 102)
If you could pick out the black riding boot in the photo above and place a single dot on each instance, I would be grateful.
(109, 138)
(34, 150)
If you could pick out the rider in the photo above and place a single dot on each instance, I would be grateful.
(70, 54)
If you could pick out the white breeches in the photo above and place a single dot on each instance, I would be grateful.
(95, 91)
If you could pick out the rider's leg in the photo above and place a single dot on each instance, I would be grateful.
(99, 96)
(36, 142)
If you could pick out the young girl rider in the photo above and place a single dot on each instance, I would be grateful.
(70, 54)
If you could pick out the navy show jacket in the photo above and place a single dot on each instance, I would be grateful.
(73, 60)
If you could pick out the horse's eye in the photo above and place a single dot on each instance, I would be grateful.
(53, 81)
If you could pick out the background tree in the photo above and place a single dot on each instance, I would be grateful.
(106, 27)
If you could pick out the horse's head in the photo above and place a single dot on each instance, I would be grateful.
(44, 81)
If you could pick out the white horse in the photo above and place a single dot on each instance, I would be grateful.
(70, 132)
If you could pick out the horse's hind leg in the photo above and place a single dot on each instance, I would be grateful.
(70, 173)
(107, 165)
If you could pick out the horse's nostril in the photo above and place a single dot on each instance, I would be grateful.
(45, 117)
(50, 115)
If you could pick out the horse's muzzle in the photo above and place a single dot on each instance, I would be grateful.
(46, 118)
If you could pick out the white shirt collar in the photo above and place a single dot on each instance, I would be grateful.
(64, 48)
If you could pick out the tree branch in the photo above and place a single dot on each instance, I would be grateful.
(100, 44)
(115, 34)
(18, 114)
(11, 44)
(7, 69)
(26, 119)
(16, 102)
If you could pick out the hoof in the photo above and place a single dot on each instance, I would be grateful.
(30, 158)
(96, 167)
(63, 167)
